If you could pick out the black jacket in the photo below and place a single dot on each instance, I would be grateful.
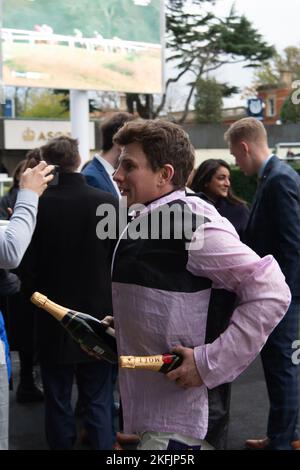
(67, 262)
(237, 214)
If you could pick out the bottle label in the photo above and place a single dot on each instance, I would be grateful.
(163, 363)
(98, 350)
(143, 362)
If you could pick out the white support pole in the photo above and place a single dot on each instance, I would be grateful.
(79, 110)
(2, 92)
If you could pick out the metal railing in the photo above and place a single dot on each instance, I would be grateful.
(115, 44)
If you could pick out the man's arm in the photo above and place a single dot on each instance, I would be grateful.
(15, 240)
(284, 203)
(263, 299)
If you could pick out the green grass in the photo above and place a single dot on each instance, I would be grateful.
(15, 66)
(131, 57)
(119, 69)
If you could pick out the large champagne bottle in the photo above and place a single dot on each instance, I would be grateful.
(94, 336)
(161, 363)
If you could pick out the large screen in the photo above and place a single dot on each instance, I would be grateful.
(109, 45)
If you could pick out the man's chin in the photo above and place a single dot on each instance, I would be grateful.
(128, 200)
(247, 172)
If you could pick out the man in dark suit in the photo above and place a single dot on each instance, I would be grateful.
(67, 262)
(274, 228)
(99, 171)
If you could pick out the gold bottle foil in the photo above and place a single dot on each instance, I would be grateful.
(141, 362)
(41, 301)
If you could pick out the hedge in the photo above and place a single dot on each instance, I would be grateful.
(245, 186)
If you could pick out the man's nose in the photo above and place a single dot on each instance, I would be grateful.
(117, 175)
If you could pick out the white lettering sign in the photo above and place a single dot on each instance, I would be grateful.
(19, 134)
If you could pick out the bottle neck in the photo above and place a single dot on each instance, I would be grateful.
(142, 362)
(41, 301)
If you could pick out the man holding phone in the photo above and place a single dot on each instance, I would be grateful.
(68, 263)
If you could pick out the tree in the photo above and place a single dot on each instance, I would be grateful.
(103, 101)
(142, 104)
(290, 112)
(270, 72)
(45, 104)
(200, 43)
(208, 101)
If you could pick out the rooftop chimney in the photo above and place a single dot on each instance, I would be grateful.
(286, 78)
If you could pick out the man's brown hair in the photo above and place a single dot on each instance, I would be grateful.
(62, 151)
(33, 158)
(110, 126)
(163, 143)
(249, 129)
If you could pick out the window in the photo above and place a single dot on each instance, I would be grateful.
(271, 107)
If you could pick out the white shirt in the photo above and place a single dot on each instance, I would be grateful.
(109, 170)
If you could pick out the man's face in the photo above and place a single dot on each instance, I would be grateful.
(243, 159)
(134, 176)
(117, 153)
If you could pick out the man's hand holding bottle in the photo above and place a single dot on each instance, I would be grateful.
(186, 375)
(94, 336)
(109, 322)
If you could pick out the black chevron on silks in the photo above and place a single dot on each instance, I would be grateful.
(160, 263)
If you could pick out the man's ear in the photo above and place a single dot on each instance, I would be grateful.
(245, 146)
(166, 174)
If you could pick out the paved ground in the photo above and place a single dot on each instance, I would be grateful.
(248, 413)
(249, 407)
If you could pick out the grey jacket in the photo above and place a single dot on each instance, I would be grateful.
(16, 238)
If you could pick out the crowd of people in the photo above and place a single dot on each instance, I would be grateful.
(194, 271)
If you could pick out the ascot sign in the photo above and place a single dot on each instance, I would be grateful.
(19, 134)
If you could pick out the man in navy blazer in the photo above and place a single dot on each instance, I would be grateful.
(99, 171)
(274, 228)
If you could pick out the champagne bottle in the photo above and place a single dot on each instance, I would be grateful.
(94, 336)
(162, 363)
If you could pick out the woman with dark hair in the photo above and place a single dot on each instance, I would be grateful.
(13, 244)
(212, 178)
(7, 202)
(21, 333)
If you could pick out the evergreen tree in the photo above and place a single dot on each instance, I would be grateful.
(200, 43)
(208, 101)
(290, 111)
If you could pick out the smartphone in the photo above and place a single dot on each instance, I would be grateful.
(55, 173)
